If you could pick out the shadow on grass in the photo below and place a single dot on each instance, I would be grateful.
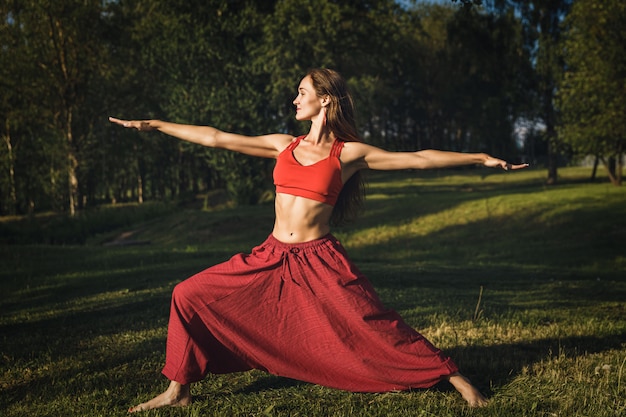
(106, 372)
(270, 382)
(479, 362)
(395, 206)
(49, 280)
(585, 238)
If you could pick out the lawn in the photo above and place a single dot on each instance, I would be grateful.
(523, 284)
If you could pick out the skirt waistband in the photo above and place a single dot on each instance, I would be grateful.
(315, 243)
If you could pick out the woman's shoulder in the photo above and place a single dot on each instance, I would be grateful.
(280, 141)
(355, 150)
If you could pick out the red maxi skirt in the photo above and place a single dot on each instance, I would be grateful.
(302, 311)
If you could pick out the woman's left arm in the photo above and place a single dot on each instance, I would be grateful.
(371, 157)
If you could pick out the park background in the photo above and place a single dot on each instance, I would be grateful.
(519, 276)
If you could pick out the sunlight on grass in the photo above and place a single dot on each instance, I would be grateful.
(522, 284)
(596, 380)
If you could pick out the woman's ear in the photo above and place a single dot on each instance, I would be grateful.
(325, 100)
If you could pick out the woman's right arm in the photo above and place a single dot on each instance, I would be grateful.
(266, 146)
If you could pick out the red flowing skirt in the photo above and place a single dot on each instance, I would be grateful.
(302, 311)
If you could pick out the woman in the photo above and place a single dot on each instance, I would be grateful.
(297, 306)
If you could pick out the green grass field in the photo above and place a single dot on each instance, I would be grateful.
(524, 285)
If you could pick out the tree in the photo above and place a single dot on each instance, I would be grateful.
(10, 108)
(485, 96)
(542, 21)
(61, 42)
(592, 94)
(32, 175)
(191, 62)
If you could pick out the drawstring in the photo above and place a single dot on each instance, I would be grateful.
(284, 265)
(287, 257)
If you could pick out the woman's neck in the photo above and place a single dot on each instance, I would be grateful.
(319, 134)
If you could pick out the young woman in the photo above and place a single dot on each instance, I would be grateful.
(296, 306)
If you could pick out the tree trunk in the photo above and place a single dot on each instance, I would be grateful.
(140, 174)
(72, 182)
(613, 168)
(139, 189)
(594, 171)
(552, 165)
(72, 164)
(553, 154)
(10, 158)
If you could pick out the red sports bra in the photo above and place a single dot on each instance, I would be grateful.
(320, 181)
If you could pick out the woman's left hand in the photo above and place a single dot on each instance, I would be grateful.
(495, 163)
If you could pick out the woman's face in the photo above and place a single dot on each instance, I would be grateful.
(308, 104)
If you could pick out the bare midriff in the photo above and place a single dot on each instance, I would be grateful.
(300, 219)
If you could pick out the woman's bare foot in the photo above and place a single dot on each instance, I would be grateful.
(176, 395)
(469, 392)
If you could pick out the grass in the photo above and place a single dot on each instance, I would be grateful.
(524, 285)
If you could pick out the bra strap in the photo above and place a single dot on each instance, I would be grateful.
(294, 143)
(337, 147)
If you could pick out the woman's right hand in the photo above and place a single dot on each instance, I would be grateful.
(142, 125)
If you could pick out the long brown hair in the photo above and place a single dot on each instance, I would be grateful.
(340, 119)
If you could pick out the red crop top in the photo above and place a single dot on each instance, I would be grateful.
(320, 181)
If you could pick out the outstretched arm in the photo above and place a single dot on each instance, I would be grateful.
(267, 146)
(366, 156)
(441, 159)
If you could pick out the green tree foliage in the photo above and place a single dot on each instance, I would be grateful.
(12, 108)
(193, 66)
(55, 51)
(542, 25)
(593, 92)
(423, 76)
(488, 69)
